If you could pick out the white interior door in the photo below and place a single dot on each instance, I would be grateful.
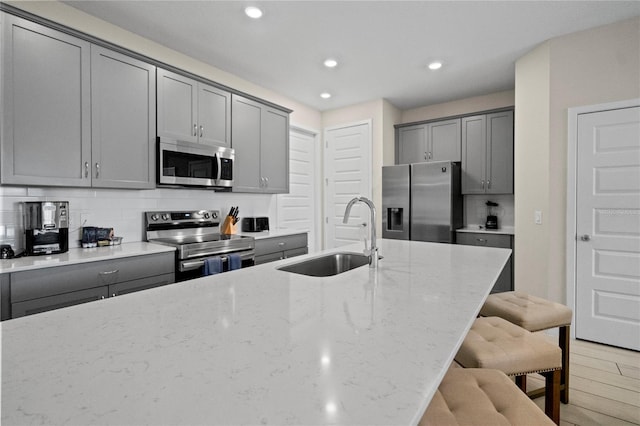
(608, 228)
(347, 175)
(298, 209)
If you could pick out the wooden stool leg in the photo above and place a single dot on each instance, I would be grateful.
(552, 395)
(521, 382)
(563, 342)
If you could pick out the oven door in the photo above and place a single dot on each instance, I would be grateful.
(194, 268)
(186, 163)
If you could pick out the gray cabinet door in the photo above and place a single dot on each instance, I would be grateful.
(246, 132)
(474, 141)
(500, 153)
(412, 144)
(49, 303)
(177, 106)
(444, 140)
(123, 121)
(505, 280)
(214, 116)
(274, 151)
(46, 133)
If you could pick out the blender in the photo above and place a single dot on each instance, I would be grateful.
(492, 217)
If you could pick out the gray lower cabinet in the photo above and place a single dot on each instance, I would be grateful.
(74, 114)
(52, 288)
(260, 139)
(505, 281)
(278, 248)
(437, 141)
(191, 111)
(46, 105)
(487, 153)
(5, 304)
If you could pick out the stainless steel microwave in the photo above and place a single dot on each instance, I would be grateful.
(191, 164)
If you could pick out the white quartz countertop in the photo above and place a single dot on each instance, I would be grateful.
(81, 255)
(254, 346)
(271, 234)
(506, 230)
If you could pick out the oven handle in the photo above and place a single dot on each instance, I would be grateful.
(195, 264)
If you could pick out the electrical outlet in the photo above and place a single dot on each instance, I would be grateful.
(537, 217)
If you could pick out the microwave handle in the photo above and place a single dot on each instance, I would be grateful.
(219, 170)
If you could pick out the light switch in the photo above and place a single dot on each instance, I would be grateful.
(537, 217)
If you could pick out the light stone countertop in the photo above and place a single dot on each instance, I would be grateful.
(271, 234)
(254, 346)
(506, 230)
(82, 255)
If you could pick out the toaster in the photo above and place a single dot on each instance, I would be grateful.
(255, 224)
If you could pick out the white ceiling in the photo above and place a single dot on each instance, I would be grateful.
(382, 47)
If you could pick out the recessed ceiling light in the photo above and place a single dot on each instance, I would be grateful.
(330, 63)
(325, 95)
(253, 12)
(436, 65)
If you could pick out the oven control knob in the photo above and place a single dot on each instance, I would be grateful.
(206, 215)
(165, 216)
(154, 217)
(214, 215)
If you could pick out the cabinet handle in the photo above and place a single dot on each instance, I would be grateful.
(86, 169)
(282, 244)
(195, 129)
(488, 184)
(266, 181)
(482, 182)
(429, 155)
(201, 131)
(481, 241)
(115, 271)
(97, 170)
(113, 295)
(101, 297)
(425, 155)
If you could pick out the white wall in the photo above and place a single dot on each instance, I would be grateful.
(585, 68)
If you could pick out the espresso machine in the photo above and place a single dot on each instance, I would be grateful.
(46, 227)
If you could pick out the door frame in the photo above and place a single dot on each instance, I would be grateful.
(325, 131)
(572, 169)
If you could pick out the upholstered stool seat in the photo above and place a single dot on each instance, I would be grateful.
(534, 314)
(477, 396)
(493, 342)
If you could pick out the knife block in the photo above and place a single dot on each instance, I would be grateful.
(228, 227)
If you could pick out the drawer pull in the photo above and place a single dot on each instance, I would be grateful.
(115, 271)
(481, 240)
(282, 244)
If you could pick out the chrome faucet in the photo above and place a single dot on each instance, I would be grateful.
(373, 252)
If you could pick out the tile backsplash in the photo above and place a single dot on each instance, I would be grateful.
(121, 210)
(475, 209)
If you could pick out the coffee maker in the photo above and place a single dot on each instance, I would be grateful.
(46, 227)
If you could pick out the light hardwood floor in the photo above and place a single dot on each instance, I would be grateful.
(604, 386)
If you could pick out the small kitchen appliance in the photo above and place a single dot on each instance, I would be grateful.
(255, 224)
(46, 227)
(196, 236)
(492, 217)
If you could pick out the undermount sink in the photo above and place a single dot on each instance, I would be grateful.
(328, 265)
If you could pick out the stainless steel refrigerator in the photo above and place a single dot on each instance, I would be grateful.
(422, 201)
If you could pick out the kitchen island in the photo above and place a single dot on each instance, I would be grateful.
(254, 346)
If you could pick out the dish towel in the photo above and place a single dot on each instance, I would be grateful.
(235, 262)
(212, 266)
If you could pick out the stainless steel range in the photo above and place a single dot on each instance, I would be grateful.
(196, 236)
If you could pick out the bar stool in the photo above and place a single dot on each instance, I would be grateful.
(535, 314)
(495, 343)
(478, 396)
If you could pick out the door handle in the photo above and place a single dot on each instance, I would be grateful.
(585, 237)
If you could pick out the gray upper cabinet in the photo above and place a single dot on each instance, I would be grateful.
(437, 141)
(192, 111)
(74, 114)
(487, 153)
(46, 104)
(123, 120)
(261, 145)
